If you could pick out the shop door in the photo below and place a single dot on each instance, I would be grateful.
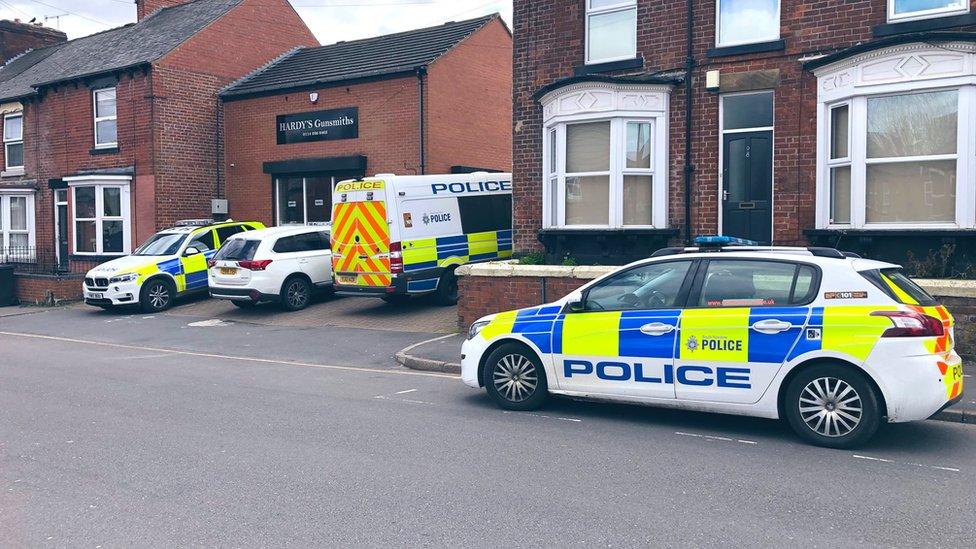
(748, 185)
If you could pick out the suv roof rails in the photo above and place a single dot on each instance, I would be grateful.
(821, 251)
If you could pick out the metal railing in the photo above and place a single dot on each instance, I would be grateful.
(34, 260)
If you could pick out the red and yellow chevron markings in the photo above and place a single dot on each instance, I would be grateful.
(360, 232)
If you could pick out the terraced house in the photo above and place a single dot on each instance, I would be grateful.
(109, 137)
(840, 122)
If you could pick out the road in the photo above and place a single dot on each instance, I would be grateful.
(161, 431)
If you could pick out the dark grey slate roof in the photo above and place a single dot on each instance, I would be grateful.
(367, 58)
(114, 49)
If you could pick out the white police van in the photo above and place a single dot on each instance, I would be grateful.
(829, 341)
(396, 236)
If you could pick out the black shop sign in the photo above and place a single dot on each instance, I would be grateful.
(318, 126)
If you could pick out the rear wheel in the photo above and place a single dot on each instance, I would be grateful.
(156, 295)
(296, 293)
(447, 289)
(515, 379)
(832, 405)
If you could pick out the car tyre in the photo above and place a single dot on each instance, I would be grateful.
(515, 379)
(447, 289)
(296, 293)
(832, 405)
(244, 304)
(156, 295)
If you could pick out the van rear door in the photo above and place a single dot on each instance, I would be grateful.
(361, 235)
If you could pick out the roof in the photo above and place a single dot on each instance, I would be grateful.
(358, 59)
(102, 53)
(872, 45)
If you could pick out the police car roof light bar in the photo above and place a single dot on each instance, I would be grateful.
(719, 241)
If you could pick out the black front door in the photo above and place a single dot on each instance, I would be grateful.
(748, 185)
(62, 236)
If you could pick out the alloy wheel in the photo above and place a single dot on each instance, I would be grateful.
(830, 407)
(515, 377)
(159, 296)
(297, 294)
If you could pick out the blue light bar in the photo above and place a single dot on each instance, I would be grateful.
(715, 240)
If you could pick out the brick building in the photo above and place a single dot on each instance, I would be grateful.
(17, 37)
(839, 122)
(109, 137)
(433, 100)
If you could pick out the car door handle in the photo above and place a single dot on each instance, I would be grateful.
(656, 328)
(771, 326)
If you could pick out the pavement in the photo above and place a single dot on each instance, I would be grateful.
(115, 432)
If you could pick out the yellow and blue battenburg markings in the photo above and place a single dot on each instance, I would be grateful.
(428, 253)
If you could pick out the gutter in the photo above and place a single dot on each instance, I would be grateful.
(689, 68)
(421, 72)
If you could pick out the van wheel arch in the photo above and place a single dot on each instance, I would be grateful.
(781, 397)
(482, 365)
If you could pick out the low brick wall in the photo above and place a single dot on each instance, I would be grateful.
(48, 289)
(488, 288)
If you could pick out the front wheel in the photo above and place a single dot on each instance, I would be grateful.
(515, 379)
(156, 296)
(833, 406)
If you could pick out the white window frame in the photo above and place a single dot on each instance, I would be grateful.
(101, 183)
(846, 161)
(621, 6)
(718, 27)
(97, 119)
(924, 14)
(6, 230)
(7, 142)
(277, 204)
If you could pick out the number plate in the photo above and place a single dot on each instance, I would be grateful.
(95, 295)
(347, 279)
(228, 271)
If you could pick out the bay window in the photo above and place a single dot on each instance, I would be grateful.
(101, 218)
(106, 118)
(13, 141)
(746, 21)
(611, 30)
(904, 10)
(16, 226)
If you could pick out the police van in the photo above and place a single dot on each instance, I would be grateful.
(832, 343)
(396, 236)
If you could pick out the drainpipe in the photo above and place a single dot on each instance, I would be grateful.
(689, 68)
(421, 72)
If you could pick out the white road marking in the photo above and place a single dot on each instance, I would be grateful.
(407, 400)
(403, 372)
(405, 392)
(138, 357)
(425, 342)
(869, 458)
(212, 323)
(712, 437)
(922, 465)
(543, 416)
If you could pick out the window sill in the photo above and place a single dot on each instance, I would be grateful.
(568, 231)
(743, 49)
(104, 150)
(921, 25)
(15, 172)
(610, 66)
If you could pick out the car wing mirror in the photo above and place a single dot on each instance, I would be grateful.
(577, 306)
(190, 251)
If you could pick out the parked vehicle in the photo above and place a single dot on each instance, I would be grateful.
(285, 265)
(397, 236)
(831, 343)
(172, 263)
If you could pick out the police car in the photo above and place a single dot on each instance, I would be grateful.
(833, 343)
(171, 263)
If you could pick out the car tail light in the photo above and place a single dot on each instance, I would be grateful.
(253, 265)
(396, 258)
(211, 263)
(911, 324)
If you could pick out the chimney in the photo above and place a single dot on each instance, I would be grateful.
(145, 8)
(17, 37)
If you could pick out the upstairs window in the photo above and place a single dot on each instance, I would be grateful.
(611, 30)
(747, 22)
(905, 10)
(106, 120)
(13, 141)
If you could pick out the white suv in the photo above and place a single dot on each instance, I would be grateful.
(282, 264)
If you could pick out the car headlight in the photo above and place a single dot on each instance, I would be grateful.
(476, 328)
(123, 278)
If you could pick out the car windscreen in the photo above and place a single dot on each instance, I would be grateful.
(161, 244)
(238, 249)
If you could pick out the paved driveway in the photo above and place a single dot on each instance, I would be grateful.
(417, 315)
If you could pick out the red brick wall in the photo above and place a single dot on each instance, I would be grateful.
(47, 289)
(550, 43)
(469, 103)
(16, 38)
(485, 295)
(387, 136)
(147, 7)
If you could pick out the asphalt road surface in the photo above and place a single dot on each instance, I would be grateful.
(152, 432)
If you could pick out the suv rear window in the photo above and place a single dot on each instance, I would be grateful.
(238, 249)
(899, 287)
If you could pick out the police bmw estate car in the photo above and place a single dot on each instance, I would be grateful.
(833, 343)
(171, 263)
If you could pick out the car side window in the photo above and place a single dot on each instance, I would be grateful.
(223, 233)
(652, 286)
(741, 283)
(324, 242)
(203, 242)
(286, 244)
